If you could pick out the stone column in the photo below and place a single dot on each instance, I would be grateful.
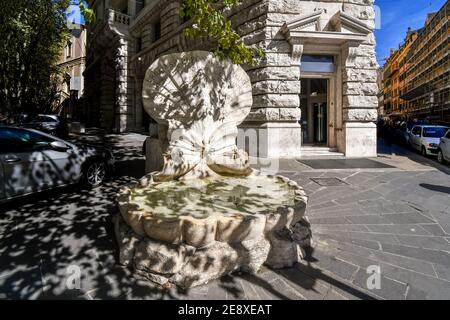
(138, 109)
(359, 87)
(125, 115)
(107, 93)
(360, 99)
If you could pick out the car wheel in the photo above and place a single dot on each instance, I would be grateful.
(440, 157)
(94, 174)
(424, 151)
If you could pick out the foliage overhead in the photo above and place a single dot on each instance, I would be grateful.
(87, 13)
(209, 21)
(33, 34)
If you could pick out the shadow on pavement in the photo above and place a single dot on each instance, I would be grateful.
(388, 150)
(48, 239)
(432, 187)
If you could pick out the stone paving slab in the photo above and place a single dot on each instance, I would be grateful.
(325, 164)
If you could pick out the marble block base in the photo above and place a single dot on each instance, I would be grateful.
(186, 266)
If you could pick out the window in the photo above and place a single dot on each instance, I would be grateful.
(317, 63)
(19, 140)
(69, 49)
(157, 31)
(448, 135)
(139, 6)
(319, 86)
(185, 18)
(434, 132)
(139, 44)
(416, 131)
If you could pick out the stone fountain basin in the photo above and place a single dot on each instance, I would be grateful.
(201, 211)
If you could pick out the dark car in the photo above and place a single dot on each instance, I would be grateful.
(401, 134)
(48, 123)
(32, 161)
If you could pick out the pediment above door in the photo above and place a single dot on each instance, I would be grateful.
(339, 29)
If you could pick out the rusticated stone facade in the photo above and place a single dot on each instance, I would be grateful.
(287, 30)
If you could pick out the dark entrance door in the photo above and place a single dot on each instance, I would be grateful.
(314, 111)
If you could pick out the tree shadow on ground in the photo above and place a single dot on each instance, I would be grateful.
(299, 282)
(45, 239)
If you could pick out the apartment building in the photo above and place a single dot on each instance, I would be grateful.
(317, 85)
(394, 78)
(428, 77)
(417, 76)
(72, 61)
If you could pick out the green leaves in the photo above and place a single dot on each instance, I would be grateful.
(87, 13)
(208, 21)
(33, 34)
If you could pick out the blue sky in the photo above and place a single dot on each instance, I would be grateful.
(396, 17)
(73, 14)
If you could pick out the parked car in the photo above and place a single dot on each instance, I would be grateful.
(48, 123)
(401, 134)
(444, 148)
(32, 161)
(426, 138)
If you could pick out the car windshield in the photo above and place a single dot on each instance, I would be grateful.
(410, 125)
(434, 132)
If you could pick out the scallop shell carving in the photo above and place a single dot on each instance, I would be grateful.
(202, 100)
(191, 86)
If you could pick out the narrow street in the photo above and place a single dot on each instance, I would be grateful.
(396, 218)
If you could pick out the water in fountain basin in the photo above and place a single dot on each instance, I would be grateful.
(201, 198)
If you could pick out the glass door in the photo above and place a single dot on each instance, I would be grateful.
(314, 108)
(320, 122)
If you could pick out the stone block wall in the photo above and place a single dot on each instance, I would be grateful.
(360, 89)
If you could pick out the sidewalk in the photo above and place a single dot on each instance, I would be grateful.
(398, 219)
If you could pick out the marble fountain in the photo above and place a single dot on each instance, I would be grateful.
(206, 213)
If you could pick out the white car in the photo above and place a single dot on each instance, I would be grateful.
(426, 138)
(32, 161)
(444, 148)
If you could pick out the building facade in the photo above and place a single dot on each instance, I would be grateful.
(394, 78)
(417, 76)
(380, 83)
(316, 86)
(73, 61)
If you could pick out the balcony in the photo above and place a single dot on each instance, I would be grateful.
(119, 18)
(119, 22)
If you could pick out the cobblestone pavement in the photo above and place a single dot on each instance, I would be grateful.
(397, 219)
